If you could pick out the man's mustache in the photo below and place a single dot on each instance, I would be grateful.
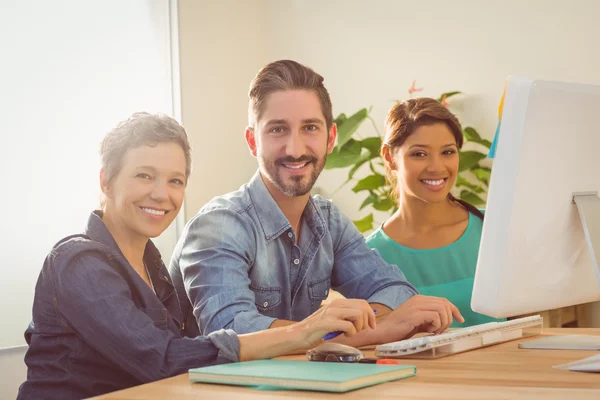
(292, 160)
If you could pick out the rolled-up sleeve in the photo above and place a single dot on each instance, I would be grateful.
(218, 251)
(105, 316)
(228, 344)
(360, 272)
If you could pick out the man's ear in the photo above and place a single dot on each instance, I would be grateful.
(104, 184)
(331, 138)
(388, 159)
(251, 140)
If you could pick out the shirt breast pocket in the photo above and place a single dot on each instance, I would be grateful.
(318, 291)
(159, 316)
(265, 298)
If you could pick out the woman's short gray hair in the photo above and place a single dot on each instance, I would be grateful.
(142, 129)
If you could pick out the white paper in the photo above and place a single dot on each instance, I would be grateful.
(589, 364)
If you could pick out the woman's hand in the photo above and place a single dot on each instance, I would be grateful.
(343, 315)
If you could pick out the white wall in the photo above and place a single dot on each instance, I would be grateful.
(13, 370)
(369, 52)
(222, 46)
(70, 71)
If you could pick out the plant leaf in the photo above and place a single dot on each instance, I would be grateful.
(384, 204)
(364, 224)
(471, 198)
(340, 119)
(356, 167)
(371, 199)
(344, 156)
(373, 144)
(371, 182)
(468, 159)
(462, 182)
(447, 95)
(483, 174)
(348, 126)
(471, 134)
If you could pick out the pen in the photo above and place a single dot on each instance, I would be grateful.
(380, 361)
(335, 334)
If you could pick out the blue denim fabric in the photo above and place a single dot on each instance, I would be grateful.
(240, 265)
(97, 327)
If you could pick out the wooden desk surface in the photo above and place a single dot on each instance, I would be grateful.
(497, 372)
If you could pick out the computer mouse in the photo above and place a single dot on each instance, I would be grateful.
(334, 352)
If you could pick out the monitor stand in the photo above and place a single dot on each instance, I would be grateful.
(588, 205)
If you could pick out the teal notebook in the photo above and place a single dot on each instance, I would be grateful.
(302, 375)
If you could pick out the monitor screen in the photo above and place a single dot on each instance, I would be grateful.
(535, 253)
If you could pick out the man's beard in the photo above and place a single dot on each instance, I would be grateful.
(299, 186)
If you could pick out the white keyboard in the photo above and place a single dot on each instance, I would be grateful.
(459, 340)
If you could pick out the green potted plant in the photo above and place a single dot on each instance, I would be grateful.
(353, 151)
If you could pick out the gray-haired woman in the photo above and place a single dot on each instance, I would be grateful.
(105, 314)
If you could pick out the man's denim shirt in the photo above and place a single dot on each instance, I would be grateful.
(98, 327)
(240, 265)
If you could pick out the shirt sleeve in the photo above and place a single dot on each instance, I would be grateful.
(95, 301)
(359, 272)
(218, 251)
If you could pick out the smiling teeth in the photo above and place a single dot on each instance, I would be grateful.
(295, 166)
(434, 183)
(154, 212)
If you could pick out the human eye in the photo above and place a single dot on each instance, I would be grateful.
(178, 182)
(277, 129)
(143, 175)
(418, 154)
(311, 128)
(449, 152)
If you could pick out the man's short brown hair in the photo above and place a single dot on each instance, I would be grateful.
(286, 75)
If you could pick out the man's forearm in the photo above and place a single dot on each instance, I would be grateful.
(380, 310)
(278, 323)
(367, 337)
(363, 338)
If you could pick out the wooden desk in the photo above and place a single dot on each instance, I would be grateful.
(497, 372)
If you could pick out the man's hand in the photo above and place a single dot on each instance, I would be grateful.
(417, 314)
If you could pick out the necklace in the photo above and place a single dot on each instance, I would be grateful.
(181, 324)
(149, 278)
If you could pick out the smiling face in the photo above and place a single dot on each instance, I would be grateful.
(291, 141)
(426, 164)
(146, 194)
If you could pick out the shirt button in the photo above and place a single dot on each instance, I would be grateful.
(296, 261)
(266, 304)
(290, 235)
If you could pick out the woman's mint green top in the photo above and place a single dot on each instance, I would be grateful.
(446, 271)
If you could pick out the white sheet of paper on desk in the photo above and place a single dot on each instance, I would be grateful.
(565, 342)
(589, 364)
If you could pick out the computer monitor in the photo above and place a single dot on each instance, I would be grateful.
(539, 248)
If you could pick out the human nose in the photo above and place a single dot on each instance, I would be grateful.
(435, 164)
(159, 191)
(295, 146)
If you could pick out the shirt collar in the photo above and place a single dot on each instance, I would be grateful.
(270, 216)
(98, 232)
